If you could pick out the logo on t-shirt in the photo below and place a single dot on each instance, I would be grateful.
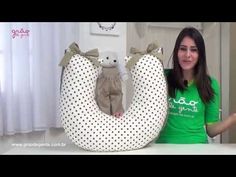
(182, 106)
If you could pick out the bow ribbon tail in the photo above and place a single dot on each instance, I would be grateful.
(74, 47)
(133, 61)
(62, 73)
(157, 55)
(137, 55)
(94, 61)
(92, 56)
(92, 53)
(66, 59)
(151, 47)
(134, 50)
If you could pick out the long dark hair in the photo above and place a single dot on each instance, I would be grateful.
(202, 79)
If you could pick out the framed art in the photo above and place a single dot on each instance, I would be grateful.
(105, 28)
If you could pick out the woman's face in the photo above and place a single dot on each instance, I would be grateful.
(188, 54)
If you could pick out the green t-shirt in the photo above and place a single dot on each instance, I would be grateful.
(187, 116)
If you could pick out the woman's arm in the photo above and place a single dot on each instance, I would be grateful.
(219, 127)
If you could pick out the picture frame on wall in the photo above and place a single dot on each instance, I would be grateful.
(105, 28)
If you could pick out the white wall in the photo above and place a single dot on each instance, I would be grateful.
(232, 76)
(228, 74)
(225, 68)
(211, 34)
(102, 42)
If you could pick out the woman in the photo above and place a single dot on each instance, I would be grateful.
(194, 96)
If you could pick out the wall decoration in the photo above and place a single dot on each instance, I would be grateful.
(105, 28)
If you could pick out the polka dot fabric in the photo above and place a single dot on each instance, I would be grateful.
(93, 130)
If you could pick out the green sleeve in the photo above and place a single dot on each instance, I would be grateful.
(212, 108)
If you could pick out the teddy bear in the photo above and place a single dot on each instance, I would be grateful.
(108, 93)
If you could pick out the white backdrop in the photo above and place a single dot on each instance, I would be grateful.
(30, 75)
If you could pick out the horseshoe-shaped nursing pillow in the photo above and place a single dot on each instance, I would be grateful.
(93, 130)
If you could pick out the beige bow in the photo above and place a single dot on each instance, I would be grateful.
(152, 49)
(73, 49)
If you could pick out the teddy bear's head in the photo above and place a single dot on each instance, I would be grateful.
(108, 59)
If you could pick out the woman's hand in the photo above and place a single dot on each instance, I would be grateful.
(118, 114)
(233, 118)
(219, 127)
